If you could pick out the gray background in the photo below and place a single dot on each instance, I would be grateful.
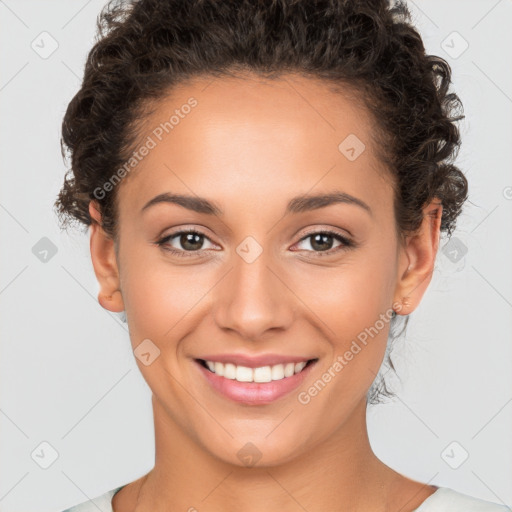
(68, 376)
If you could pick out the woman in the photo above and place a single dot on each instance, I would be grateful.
(265, 184)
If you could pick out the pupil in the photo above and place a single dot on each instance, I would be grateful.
(188, 239)
(322, 238)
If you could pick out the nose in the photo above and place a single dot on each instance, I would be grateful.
(253, 298)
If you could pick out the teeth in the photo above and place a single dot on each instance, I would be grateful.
(260, 374)
(229, 371)
(219, 369)
(289, 369)
(244, 374)
(299, 366)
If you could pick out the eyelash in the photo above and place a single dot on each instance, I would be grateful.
(346, 243)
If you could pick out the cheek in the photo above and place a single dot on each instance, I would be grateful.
(164, 300)
(158, 297)
(353, 305)
(352, 295)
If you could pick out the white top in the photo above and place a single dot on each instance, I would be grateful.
(443, 500)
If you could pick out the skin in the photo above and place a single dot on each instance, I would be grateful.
(250, 146)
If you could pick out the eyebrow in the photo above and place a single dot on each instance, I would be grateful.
(299, 204)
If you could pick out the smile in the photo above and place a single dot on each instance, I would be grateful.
(259, 374)
(254, 386)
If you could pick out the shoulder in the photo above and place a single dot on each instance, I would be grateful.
(102, 502)
(448, 500)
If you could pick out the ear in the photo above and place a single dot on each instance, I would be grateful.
(104, 262)
(417, 259)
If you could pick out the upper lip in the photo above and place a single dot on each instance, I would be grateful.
(255, 361)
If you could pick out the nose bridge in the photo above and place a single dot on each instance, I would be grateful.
(251, 299)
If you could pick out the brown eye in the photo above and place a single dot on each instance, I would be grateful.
(191, 241)
(322, 242)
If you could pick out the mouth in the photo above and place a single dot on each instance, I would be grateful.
(254, 385)
(265, 373)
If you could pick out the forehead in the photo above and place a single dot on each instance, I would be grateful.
(237, 138)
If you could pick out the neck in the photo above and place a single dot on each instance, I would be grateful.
(340, 472)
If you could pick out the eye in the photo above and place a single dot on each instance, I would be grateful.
(192, 242)
(190, 239)
(321, 242)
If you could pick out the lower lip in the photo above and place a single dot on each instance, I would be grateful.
(255, 393)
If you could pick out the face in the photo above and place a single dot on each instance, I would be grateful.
(265, 270)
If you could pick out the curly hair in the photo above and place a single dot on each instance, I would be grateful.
(145, 47)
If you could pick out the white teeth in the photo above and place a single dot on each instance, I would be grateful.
(299, 366)
(289, 369)
(219, 369)
(260, 374)
(277, 372)
(229, 371)
(243, 374)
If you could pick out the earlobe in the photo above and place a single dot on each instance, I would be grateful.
(104, 263)
(417, 260)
